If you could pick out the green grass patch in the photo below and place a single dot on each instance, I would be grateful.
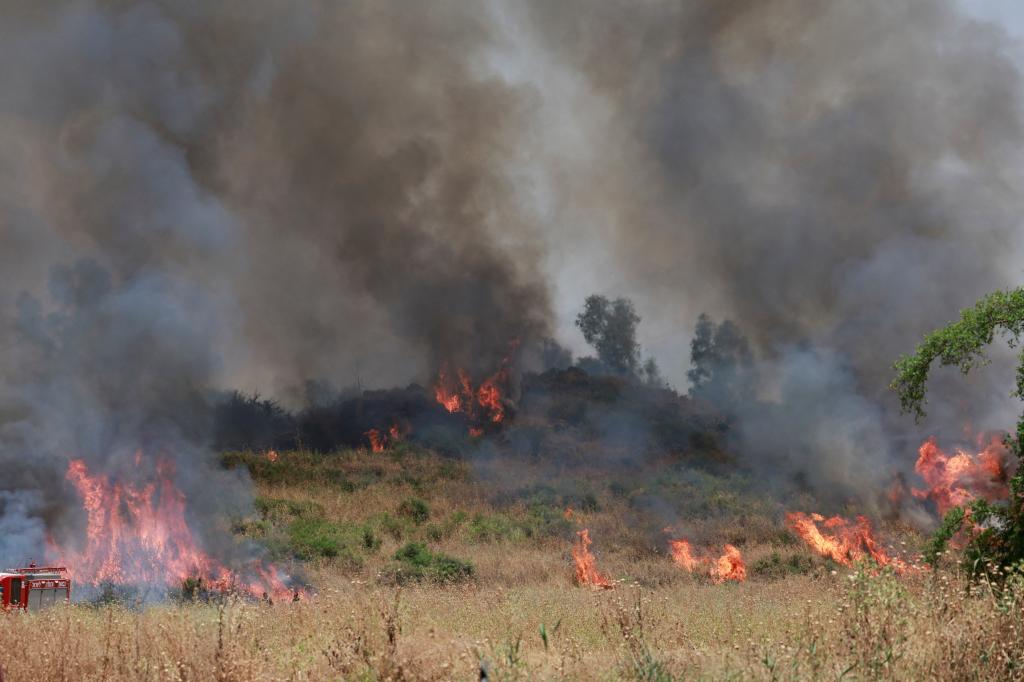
(320, 538)
(414, 562)
(536, 521)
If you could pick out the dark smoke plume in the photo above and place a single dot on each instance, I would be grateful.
(838, 178)
(242, 194)
(255, 194)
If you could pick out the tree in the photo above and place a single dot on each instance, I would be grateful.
(721, 364)
(962, 344)
(651, 374)
(610, 327)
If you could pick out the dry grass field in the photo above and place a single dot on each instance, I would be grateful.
(371, 616)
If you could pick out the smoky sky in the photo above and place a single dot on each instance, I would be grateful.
(838, 178)
(201, 195)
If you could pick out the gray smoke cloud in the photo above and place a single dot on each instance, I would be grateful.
(841, 177)
(242, 194)
(254, 194)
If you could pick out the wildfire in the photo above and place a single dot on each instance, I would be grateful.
(586, 565)
(682, 554)
(482, 404)
(378, 441)
(137, 533)
(956, 480)
(841, 540)
(449, 391)
(729, 566)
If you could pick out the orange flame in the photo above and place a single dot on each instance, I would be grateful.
(378, 441)
(271, 455)
(445, 392)
(841, 541)
(729, 566)
(136, 533)
(682, 554)
(586, 565)
(956, 480)
(483, 404)
(489, 398)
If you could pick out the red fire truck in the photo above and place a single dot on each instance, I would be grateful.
(34, 587)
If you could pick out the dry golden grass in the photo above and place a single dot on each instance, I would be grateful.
(522, 616)
(862, 627)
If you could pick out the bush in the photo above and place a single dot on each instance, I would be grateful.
(415, 562)
(775, 567)
(311, 538)
(276, 510)
(414, 509)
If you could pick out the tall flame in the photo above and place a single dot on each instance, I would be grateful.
(377, 440)
(586, 565)
(682, 554)
(137, 533)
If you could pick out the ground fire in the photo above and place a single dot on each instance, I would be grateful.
(727, 567)
(586, 565)
(841, 540)
(137, 534)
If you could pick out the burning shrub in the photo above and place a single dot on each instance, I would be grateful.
(962, 344)
(416, 562)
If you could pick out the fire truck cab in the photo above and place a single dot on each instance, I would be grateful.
(34, 587)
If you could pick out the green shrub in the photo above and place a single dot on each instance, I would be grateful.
(310, 538)
(389, 525)
(539, 520)
(291, 468)
(276, 510)
(414, 509)
(493, 527)
(775, 567)
(415, 562)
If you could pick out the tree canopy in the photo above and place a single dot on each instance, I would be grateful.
(721, 364)
(610, 327)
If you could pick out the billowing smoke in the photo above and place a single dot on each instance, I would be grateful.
(245, 194)
(255, 194)
(838, 177)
